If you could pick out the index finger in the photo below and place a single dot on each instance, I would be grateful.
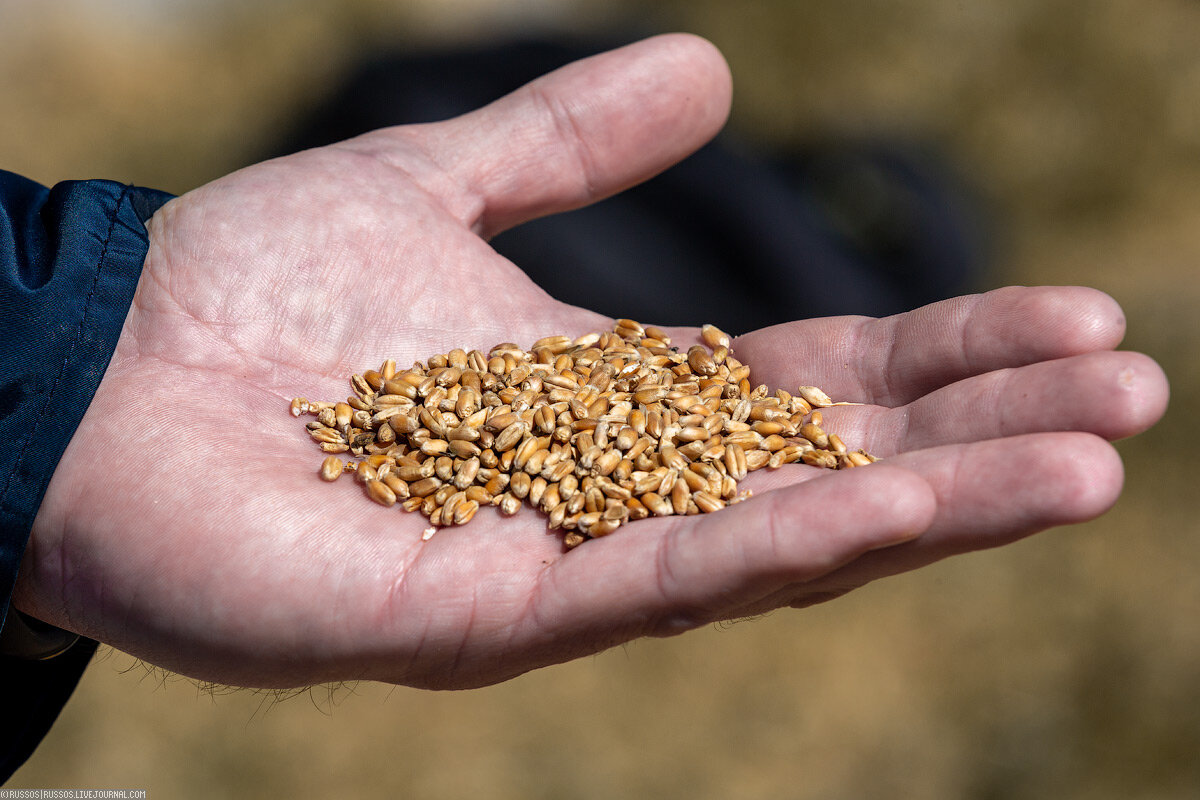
(894, 360)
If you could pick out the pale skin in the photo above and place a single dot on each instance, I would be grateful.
(187, 526)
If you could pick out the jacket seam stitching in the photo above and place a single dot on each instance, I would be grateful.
(112, 224)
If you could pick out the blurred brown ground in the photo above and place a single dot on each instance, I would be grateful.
(1065, 666)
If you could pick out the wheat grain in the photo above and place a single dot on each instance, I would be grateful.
(594, 431)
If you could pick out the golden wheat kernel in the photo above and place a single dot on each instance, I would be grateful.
(464, 512)
(622, 471)
(328, 435)
(694, 481)
(814, 434)
(365, 472)
(593, 498)
(500, 418)
(444, 493)
(645, 482)
(463, 449)
(853, 460)
(814, 396)
(773, 443)
(575, 503)
(766, 428)
(434, 447)
(466, 403)
(510, 436)
(735, 461)
(466, 473)
(361, 387)
(588, 453)
(443, 467)
(381, 493)
(478, 494)
(327, 417)
(412, 472)
(518, 484)
(476, 362)
(331, 468)
(385, 435)
(607, 462)
(587, 520)
(559, 471)
(424, 487)
(557, 516)
(509, 504)
(342, 414)
(820, 458)
(646, 462)
(757, 459)
(667, 480)
(536, 488)
(452, 499)
(463, 433)
(398, 487)
(633, 325)
(600, 433)
(670, 457)
(523, 452)
(549, 499)
(658, 334)
(707, 503)
(536, 463)
(701, 361)
(659, 506)
(497, 484)
(787, 455)
(604, 526)
(637, 509)
(714, 336)
(692, 433)
(568, 484)
(373, 379)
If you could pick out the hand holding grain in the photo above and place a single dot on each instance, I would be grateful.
(185, 523)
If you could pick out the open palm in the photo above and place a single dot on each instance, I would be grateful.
(185, 523)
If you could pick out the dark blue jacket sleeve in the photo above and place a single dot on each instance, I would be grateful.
(70, 258)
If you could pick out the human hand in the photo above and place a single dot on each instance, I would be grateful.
(185, 524)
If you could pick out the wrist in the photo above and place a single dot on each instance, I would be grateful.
(30, 639)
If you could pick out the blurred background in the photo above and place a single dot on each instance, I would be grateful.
(1066, 666)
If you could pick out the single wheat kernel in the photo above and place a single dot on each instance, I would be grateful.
(714, 337)
(381, 493)
(331, 468)
(814, 396)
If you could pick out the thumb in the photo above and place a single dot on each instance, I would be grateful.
(574, 136)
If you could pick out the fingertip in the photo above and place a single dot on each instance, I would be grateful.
(705, 61)
(1081, 318)
(901, 501)
(1142, 392)
(1089, 480)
